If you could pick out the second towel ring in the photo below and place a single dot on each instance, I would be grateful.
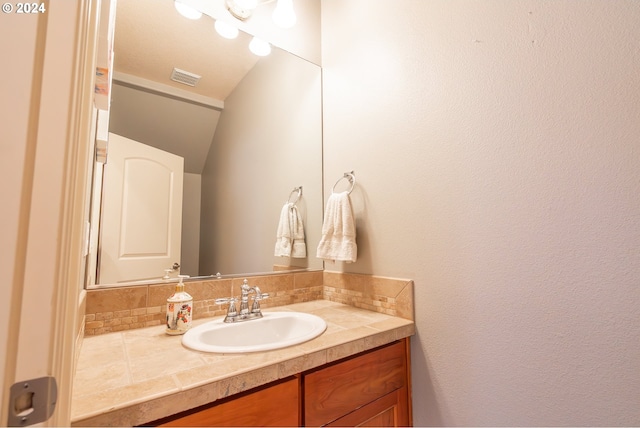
(295, 189)
(349, 176)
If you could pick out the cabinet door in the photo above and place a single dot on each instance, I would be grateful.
(276, 405)
(388, 411)
(339, 389)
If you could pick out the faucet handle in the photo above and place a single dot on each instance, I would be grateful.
(261, 296)
(232, 312)
(255, 308)
(225, 300)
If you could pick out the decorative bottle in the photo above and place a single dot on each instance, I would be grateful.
(179, 309)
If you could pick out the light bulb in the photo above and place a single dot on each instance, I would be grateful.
(186, 10)
(283, 14)
(259, 47)
(226, 30)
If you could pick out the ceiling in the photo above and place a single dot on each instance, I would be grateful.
(150, 39)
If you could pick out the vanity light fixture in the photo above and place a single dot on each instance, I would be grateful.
(283, 15)
(241, 9)
(259, 47)
(186, 10)
(226, 30)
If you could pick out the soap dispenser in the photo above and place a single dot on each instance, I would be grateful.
(179, 309)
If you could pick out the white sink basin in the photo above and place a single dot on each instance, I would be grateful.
(274, 330)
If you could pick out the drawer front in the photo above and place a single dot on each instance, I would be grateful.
(272, 406)
(334, 391)
(389, 411)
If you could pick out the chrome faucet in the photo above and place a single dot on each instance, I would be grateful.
(245, 314)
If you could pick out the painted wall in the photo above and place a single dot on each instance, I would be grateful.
(496, 147)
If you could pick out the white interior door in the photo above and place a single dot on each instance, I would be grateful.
(47, 98)
(142, 211)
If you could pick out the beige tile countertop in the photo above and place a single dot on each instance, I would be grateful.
(137, 376)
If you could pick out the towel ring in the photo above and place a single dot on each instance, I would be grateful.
(349, 176)
(295, 189)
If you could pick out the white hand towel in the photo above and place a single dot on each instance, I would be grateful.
(283, 235)
(338, 241)
(299, 248)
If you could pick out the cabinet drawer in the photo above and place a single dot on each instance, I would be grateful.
(275, 405)
(338, 389)
(389, 411)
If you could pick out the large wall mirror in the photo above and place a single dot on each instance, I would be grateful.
(246, 135)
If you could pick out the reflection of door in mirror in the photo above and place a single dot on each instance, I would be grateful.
(142, 214)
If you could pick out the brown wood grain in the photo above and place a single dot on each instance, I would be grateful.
(276, 405)
(338, 389)
(368, 389)
(388, 411)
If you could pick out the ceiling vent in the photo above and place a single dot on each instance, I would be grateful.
(184, 77)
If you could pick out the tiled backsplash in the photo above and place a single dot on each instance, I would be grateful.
(125, 308)
(385, 295)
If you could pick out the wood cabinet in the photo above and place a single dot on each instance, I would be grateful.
(388, 411)
(273, 405)
(368, 389)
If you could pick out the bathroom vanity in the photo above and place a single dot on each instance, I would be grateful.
(367, 389)
(356, 372)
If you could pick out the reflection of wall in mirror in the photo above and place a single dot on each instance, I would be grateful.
(268, 141)
(291, 88)
(190, 257)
